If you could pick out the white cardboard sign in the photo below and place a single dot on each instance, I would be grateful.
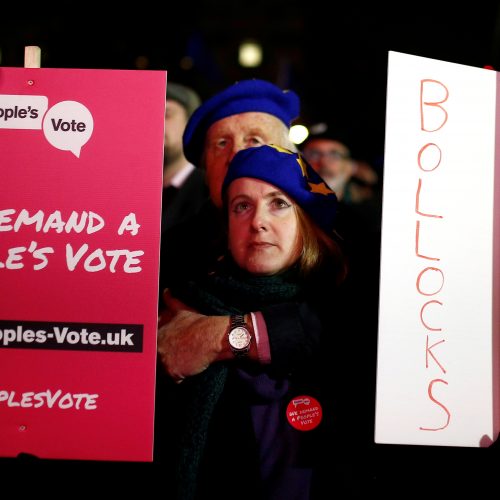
(438, 356)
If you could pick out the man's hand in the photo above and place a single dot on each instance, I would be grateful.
(188, 342)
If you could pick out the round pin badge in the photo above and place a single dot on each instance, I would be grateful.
(304, 413)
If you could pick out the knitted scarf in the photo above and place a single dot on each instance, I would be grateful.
(227, 290)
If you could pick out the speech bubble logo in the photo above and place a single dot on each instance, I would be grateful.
(68, 126)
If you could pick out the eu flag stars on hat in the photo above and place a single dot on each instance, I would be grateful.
(242, 97)
(293, 175)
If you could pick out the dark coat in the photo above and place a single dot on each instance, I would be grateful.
(249, 428)
(180, 204)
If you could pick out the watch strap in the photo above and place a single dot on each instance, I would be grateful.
(237, 320)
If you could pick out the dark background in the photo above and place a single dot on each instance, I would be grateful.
(335, 59)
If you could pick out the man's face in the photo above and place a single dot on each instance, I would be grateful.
(331, 160)
(228, 136)
(175, 123)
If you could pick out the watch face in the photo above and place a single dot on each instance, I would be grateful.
(239, 338)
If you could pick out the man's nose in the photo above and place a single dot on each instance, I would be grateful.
(238, 145)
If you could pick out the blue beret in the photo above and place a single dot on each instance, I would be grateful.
(241, 97)
(293, 175)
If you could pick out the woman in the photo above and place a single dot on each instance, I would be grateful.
(236, 438)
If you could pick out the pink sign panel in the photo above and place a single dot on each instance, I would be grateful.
(82, 159)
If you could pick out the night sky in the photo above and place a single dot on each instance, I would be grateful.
(335, 61)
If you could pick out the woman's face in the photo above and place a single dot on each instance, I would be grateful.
(263, 227)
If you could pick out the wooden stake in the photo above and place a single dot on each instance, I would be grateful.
(32, 56)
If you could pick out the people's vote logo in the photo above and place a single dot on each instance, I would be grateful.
(68, 126)
(304, 413)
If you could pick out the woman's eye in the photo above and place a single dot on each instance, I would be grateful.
(280, 203)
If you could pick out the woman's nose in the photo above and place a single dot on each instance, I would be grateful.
(259, 221)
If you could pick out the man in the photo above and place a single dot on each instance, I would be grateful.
(331, 159)
(353, 181)
(358, 226)
(184, 187)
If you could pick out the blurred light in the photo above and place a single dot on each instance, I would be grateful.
(186, 62)
(250, 54)
(141, 62)
(319, 128)
(298, 133)
(488, 66)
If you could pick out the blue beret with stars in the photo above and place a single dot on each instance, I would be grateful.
(290, 173)
(244, 96)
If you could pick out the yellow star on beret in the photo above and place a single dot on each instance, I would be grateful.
(320, 188)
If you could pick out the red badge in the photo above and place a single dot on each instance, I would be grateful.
(304, 413)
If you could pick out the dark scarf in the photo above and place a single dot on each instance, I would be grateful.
(226, 290)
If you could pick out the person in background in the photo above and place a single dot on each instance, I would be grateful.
(365, 183)
(354, 181)
(359, 229)
(360, 212)
(184, 187)
(331, 159)
(231, 420)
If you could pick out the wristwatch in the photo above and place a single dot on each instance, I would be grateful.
(239, 336)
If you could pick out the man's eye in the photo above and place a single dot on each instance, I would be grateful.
(240, 207)
(255, 141)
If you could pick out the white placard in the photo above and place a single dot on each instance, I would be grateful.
(437, 344)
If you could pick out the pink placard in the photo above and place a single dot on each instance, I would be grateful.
(82, 159)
